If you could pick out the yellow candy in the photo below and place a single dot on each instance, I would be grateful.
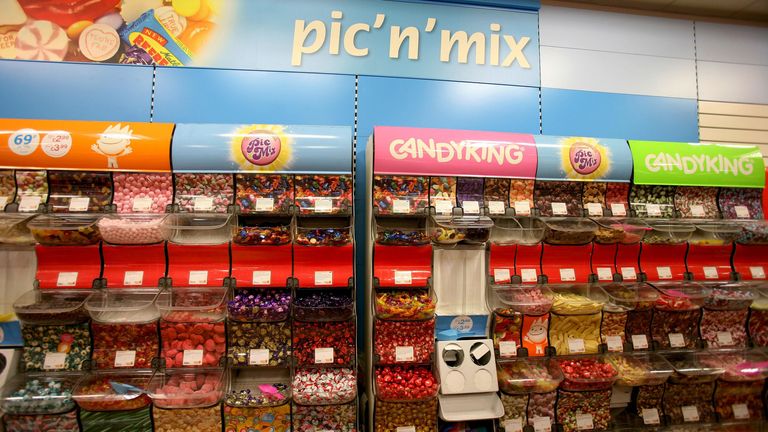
(574, 304)
(585, 327)
(195, 10)
(73, 31)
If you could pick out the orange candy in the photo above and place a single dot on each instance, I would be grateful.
(196, 35)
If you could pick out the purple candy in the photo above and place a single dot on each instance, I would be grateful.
(262, 305)
(469, 189)
(323, 305)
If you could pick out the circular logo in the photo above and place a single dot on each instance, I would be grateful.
(462, 324)
(261, 148)
(24, 142)
(57, 143)
(585, 158)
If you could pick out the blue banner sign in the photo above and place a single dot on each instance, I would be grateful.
(583, 159)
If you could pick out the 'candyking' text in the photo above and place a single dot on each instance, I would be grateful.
(444, 152)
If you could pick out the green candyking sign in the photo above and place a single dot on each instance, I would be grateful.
(697, 164)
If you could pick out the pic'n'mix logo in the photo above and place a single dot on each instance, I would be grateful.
(261, 148)
(584, 158)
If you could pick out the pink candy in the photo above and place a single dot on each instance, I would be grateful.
(131, 229)
(189, 390)
(142, 192)
(194, 192)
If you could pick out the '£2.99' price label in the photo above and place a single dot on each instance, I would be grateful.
(56, 144)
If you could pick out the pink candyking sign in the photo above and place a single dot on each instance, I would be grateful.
(445, 152)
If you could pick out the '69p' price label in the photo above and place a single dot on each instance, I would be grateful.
(24, 142)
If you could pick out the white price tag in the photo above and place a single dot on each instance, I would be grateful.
(406, 429)
(79, 204)
(125, 358)
(522, 208)
(323, 355)
(401, 206)
(710, 273)
(404, 353)
(697, 210)
(653, 209)
(323, 278)
(203, 203)
(258, 357)
(501, 275)
(542, 424)
(133, 278)
(55, 360)
(676, 340)
(66, 279)
(639, 341)
(513, 425)
(323, 205)
(740, 411)
(618, 209)
(496, 207)
(265, 204)
(664, 272)
(567, 275)
(142, 204)
(628, 273)
(507, 349)
(30, 203)
(403, 277)
(576, 346)
(528, 275)
(198, 277)
(651, 416)
(594, 209)
(584, 422)
(443, 206)
(3, 202)
(262, 277)
(480, 351)
(604, 274)
(690, 413)
(614, 343)
(471, 207)
(559, 209)
(758, 272)
(724, 338)
(192, 358)
(742, 212)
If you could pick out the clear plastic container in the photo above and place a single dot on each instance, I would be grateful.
(754, 232)
(531, 375)
(569, 230)
(393, 416)
(182, 388)
(259, 344)
(323, 305)
(390, 391)
(400, 194)
(52, 307)
(66, 186)
(250, 388)
(65, 230)
(323, 232)
(525, 299)
(518, 230)
(681, 295)
(694, 366)
(758, 318)
(575, 318)
(668, 232)
(738, 365)
(577, 299)
(321, 344)
(401, 231)
(640, 368)
(449, 230)
(37, 393)
(626, 296)
(730, 295)
(676, 315)
(14, 229)
(132, 229)
(616, 230)
(262, 231)
(585, 373)
(55, 347)
(114, 390)
(715, 233)
(406, 305)
(323, 386)
(124, 306)
(190, 304)
(197, 228)
(323, 194)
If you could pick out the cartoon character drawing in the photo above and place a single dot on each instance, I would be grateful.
(536, 335)
(114, 142)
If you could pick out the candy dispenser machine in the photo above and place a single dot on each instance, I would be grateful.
(739, 390)
(688, 393)
(642, 375)
(750, 255)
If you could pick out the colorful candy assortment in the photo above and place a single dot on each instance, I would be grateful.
(507, 328)
(741, 203)
(43, 342)
(323, 194)
(323, 305)
(496, 189)
(277, 419)
(255, 232)
(142, 192)
(124, 345)
(404, 305)
(576, 410)
(616, 193)
(558, 198)
(261, 305)
(652, 201)
(32, 184)
(442, 189)
(96, 392)
(403, 341)
(186, 419)
(317, 418)
(264, 193)
(586, 373)
(66, 422)
(192, 343)
(307, 236)
(593, 193)
(203, 192)
(697, 202)
(7, 187)
(67, 187)
(694, 397)
(400, 194)
(324, 386)
(747, 393)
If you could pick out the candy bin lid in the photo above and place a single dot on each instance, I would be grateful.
(528, 375)
(185, 388)
(188, 304)
(753, 232)
(693, 366)
(405, 305)
(761, 300)
(63, 222)
(324, 386)
(569, 230)
(715, 233)
(640, 368)
(458, 227)
(323, 231)
(14, 229)
(188, 228)
(740, 365)
(577, 299)
(620, 230)
(410, 231)
(525, 299)
(678, 296)
(430, 380)
(38, 393)
(517, 230)
(124, 305)
(730, 295)
(52, 307)
(627, 296)
(668, 231)
(586, 372)
(258, 387)
(113, 390)
(52, 229)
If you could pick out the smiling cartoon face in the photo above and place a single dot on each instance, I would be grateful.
(114, 140)
(538, 331)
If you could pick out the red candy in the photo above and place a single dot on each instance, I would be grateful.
(391, 337)
(188, 336)
(405, 383)
(108, 339)
(313, 340)
(586, 374)
(188, 390)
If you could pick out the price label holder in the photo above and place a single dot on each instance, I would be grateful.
(54, 361)
(567, 275)
(618, 209)
(142, 204)
(404, 354)
(262, 277)
(628, 273)
(724, 338)
(507, 349)
(651, 416)
(710, 273)
(406, 429)
(203, 204)
(690, 413)
(757, 272)
(198, 277)
(258, 357)
(192, 358)
(513, 425)
(323, 278)
(323, 355)
(542, 424)
(639, 342)
(471, 207)
(676, 340)
(3, 202)
(443, 207)
(522, 208)
(403, 277)
(66, 279)
(559, 209)
(502, 275)
(401, 206)
(740, 411)
(30, 203)
(528, 275)
(742, 212)
(265, 204)
(584, 422)
(496, 207)
(653, 209)
(79, 204)
(323, 205)
(133, 278)
(594, 209)
(125, 358)
(614, 344)
(697, 210)
(604, 274)
(576, 346)
(664, 272)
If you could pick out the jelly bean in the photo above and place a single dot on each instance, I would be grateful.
(142, 192)
(193, 189)
(65, 185)
(405, 383)
(309, 337)
(548, 192)
(324, 386)
(442, 188)
(697, 202)
(388, 189)
(389, 337)
(389, 416)
(32, 183)
(311, 189)
(253, 187)
(187, 419)
(273, 337)
(338, 418)
(662, 196)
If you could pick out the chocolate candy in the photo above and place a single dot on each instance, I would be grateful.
(649, 397)
(203, 192)
(79, 234)
(404, 305)
(507, 328)
(142, 192)
(548, 192)
(541, 405)
(324, 386)
(388, 189)
(258, 394)
(572, 405)
(401, 237)
(677, 396)
(275, 338)
(184, 343)
(496, 189)
(187, 419)
(40, 340)
(39, 394)
(661, 197)
(569, 231)
(404, 341)
(131, 229)
(66, 422)
(323, 236)
(469, 189)
(324, 343)
(586, 373)
(259, 193)
(262, 305)
(338, 418)
(389, 416)
(277, 419)
(515, 406)
(323, 305)
(613, 324)
(52, 307)
(741, 203)
(442, 188)
(139, 420)
(593, 192)
(109, 339)
(259, 232)
(323, 194)
(639, 321)
(65, 185)
(405, 383)
(32, 183)
(728, 394)
(675, 315)
(697, 202)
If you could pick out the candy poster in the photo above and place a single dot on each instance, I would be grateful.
(583, 159)
(331, 36)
